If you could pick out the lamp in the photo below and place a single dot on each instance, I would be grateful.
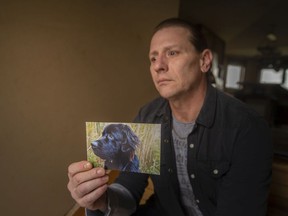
(271, 36)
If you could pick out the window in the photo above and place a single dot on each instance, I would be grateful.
(235, 74)
(271, 76)
(285, 84)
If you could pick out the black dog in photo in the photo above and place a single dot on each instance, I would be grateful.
(117, 147)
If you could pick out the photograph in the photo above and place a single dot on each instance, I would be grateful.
(128, 147)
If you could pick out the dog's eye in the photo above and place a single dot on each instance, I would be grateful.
(110, 136)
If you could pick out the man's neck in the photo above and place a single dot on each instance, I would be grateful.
(188, 107)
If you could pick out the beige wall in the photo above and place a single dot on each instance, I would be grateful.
(63, 63)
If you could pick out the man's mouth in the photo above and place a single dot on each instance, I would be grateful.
(163, 81)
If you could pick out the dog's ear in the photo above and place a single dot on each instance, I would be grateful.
(132, 140)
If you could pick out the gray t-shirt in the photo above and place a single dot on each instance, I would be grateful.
(180, 134)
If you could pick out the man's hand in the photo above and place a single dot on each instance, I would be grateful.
(88, 185)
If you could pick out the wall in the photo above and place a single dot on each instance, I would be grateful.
(63, 63)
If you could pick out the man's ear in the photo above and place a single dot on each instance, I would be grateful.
(206, 60)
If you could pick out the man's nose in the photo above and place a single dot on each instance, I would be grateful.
(160, 65)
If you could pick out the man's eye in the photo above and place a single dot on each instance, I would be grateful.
(152, 59)
(172, 53)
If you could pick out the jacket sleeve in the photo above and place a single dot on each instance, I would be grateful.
(135, 183)
(244, 189)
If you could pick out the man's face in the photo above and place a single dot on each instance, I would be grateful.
(175, 63)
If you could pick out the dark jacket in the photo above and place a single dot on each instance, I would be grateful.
(229, 160)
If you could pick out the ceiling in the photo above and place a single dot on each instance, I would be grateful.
(242, 24)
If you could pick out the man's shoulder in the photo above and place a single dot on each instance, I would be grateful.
(158, 103)
(153, 110)
(235, 109)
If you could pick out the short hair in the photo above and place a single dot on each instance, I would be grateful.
(197, 39)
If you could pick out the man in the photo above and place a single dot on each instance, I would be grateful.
(216, 153)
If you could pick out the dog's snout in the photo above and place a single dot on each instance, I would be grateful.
(96, 144)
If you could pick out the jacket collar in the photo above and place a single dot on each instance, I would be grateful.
(207, 114)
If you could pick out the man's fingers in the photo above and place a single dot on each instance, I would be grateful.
(89, 199)
(92, 174)
(77, 167)
(87, 187)
(87, 184)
